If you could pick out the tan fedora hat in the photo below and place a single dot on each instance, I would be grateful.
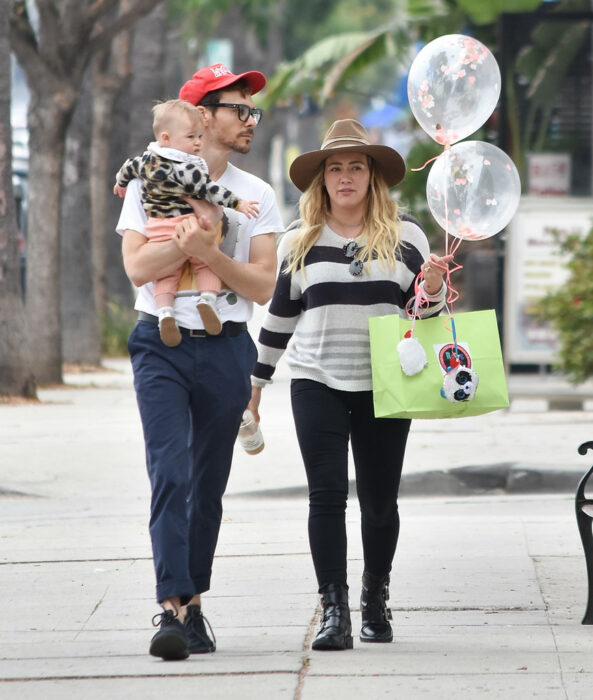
(348, 135)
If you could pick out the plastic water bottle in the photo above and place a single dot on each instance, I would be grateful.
(250, 435)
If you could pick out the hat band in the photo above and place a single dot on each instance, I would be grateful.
(342, 141)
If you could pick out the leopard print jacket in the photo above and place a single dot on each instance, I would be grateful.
(165, 182)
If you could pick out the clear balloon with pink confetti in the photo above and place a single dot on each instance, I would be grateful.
(453, 87)
(473, 190)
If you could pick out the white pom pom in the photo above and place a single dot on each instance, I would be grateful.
(411, 356)
(460, 384)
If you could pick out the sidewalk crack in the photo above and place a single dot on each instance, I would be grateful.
(305, 659)
(93, 611)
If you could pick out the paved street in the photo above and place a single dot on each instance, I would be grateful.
(489, 583)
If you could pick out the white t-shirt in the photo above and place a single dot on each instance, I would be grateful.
(231, 307)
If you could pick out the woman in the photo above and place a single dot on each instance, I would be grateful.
(352, 257)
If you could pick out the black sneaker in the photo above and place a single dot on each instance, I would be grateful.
(198, 640)
(169, 642)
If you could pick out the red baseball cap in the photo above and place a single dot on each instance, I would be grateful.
(217, 77)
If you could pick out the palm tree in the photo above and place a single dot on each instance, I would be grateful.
(328, 66)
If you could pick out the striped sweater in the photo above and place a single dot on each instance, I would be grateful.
(321, 318)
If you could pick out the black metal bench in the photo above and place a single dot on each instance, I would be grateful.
(584, 512)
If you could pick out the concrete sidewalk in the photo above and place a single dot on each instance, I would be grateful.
(489, 583)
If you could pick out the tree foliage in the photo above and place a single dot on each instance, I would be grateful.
(570, 309)
(329, 63)
(301, 21)
(325, 67)
(486, 12)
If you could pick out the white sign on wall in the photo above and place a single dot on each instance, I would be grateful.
(548, 173)
(533, 267)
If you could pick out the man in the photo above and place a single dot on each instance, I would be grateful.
(201, 387)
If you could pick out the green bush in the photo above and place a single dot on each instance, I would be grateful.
(570, 309)
(116, 326)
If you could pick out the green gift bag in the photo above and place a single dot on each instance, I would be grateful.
(397, 395)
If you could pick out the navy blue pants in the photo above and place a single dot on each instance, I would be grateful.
(326, 421)
(191, 399)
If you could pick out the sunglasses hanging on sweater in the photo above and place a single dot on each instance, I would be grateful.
(350, 251)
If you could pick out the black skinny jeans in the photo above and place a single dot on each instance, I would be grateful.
(326, 419)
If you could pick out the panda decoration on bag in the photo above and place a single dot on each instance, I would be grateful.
(459, 383)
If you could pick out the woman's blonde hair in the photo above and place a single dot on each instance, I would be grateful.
(380, 235)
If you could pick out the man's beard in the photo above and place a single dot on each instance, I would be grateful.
(242, 148)
(237, 146)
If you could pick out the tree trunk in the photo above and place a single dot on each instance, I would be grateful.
(119, 289)
(148, 84)
(47, 120)
(111, 74)
(102, 181)
(55, 55)
(16, 376)
(81, 336)
(131, 130)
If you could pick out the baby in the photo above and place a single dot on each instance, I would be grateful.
(170, 170)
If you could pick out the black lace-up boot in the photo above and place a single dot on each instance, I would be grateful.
(336, 629)
(374, 610)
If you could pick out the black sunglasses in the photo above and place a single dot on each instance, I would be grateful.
(243, 111)
(350, 250)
